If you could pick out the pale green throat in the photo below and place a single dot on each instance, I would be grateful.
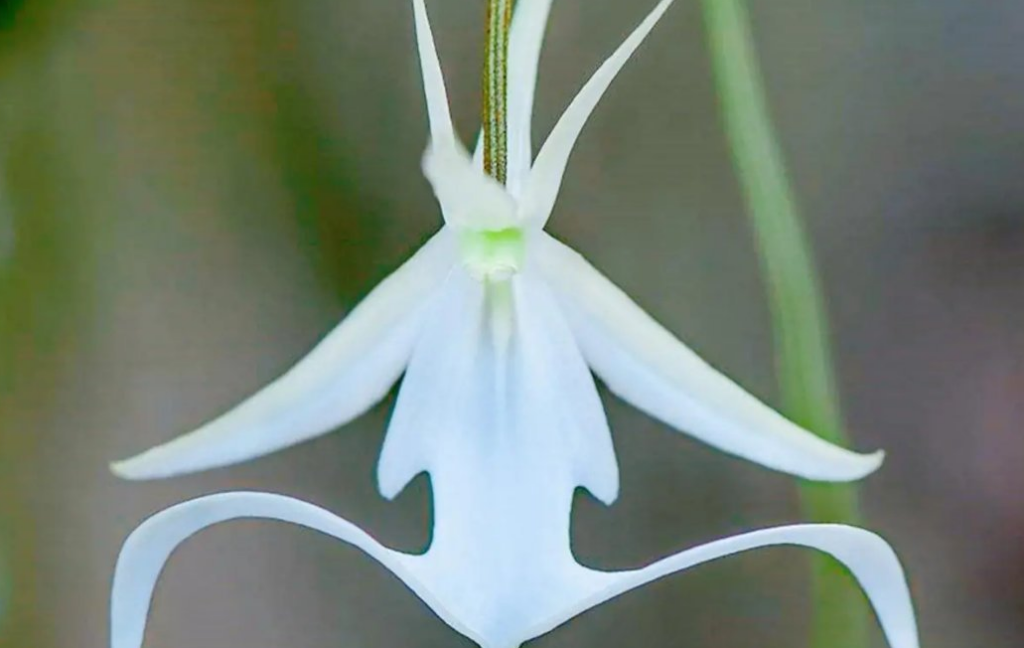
(493, 255)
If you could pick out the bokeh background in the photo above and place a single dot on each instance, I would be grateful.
(192, 192)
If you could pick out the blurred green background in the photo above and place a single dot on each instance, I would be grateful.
(193, 192)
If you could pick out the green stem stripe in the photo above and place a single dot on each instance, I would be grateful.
(804, 358)
(495, 104)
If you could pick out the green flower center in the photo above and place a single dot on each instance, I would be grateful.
(493, 255)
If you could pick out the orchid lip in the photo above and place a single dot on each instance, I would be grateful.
(496, 608)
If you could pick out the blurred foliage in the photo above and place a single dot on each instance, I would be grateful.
(9, 10)
(803, 346)
(40, 281)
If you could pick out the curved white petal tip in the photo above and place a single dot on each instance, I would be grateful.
(346, 374)
(545, 178)
(128, 468)
(148, 548)
(869, 558)
(647, 366)
(441, 129)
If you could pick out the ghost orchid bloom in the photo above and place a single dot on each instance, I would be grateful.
(493, 307)
(497, 327)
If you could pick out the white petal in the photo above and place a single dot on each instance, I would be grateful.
(485, 350)
(528, 26)
(469, 197)
(148, 548)
(478, 152)
(441, 130)
(647, 366)
(498, 406)
(557, 381)
(349, 371)
(546, 176)
(439, 372)
(868, 557)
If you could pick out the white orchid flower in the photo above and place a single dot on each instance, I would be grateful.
(492, 309)
(497, 327)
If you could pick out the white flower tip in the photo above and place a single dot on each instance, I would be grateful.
(844, 466)
(139, 468)
(858, 466)
(872, 462)
(123, 469)
(176, 457)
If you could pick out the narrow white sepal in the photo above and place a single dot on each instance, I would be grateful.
(546, 175)
(525, 40)
(468, 196)
(647, 366)
(868, 557)
(441, 129)
(148, 548)
(346, 374)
